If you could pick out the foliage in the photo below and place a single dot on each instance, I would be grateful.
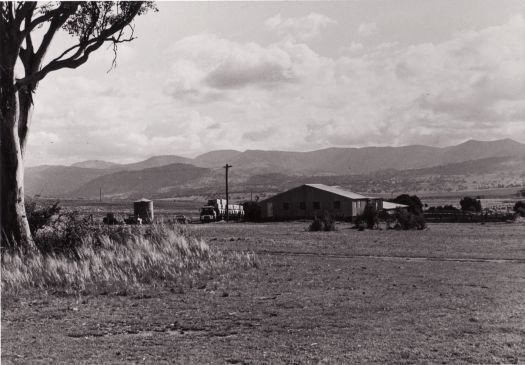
(414, 203)
(407, 220)
(120, 258)
(327, 223)
(443, 208)
(519, 207)
(370, 217)
(252, 211)
(39, 215)
(470, 204)
(65, 234)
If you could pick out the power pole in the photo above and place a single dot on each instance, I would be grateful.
(100, 194)
(227, 196)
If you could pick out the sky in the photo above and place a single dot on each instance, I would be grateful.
(295, 76)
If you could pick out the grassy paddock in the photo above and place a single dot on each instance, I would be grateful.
(121, 260)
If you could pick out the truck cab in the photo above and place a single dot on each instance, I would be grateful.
(208, 214)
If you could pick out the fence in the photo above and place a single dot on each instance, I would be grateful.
(467, 217)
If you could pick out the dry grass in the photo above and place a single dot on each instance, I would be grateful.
(128, 259)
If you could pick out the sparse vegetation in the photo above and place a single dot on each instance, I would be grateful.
(369, 217)
(327, 223)
(123, 259)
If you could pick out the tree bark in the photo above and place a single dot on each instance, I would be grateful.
(14, 226)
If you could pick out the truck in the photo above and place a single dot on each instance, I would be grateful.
(215, 210)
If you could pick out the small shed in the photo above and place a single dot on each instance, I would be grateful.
(143, 209)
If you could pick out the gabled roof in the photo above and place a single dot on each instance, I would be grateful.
(330, 189)
(338, 191)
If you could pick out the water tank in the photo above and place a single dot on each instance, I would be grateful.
(143, 209)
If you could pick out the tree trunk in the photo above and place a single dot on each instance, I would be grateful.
(14, 226)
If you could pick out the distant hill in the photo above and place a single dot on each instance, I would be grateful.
(259, 169)
(215, 158)
(58, 180)
(155, 161)
(151, 182)
(96, 164)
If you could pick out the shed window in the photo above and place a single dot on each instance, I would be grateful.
(317, 205)
(286, 206)
(337, 204)
(302, 205)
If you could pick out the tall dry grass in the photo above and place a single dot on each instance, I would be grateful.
(124, 259)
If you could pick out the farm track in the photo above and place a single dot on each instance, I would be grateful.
(387, 257)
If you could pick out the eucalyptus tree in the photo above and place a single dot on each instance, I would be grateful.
(27, 31)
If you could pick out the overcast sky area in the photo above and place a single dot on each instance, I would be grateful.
(293, 76)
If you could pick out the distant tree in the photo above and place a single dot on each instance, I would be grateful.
(91, 24)
(444, 208)
(470, 204)
(519, 207)
(414, 203)
(369, 217)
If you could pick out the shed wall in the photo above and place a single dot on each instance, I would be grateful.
(287, 205)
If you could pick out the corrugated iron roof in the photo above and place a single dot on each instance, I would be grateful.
(143, 200)
(390, 206)
(338, 191)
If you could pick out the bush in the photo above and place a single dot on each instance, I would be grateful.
(39, 215)
(369, 217)
(407, 220)
(65, 233)
(519, 208)
(327, 223)
(414, 203)
(470, 204)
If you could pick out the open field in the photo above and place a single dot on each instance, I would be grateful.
(449, 294)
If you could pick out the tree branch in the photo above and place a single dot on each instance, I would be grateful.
(85, 46)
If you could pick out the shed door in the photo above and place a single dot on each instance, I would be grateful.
(269, 211)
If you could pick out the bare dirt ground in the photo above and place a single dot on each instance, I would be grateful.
(449, 294)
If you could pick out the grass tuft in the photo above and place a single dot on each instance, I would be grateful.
(125, 259)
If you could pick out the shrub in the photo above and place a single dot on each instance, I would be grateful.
(327, 223)
(407, 220)
(369, 217)
(470, 204)
(65, 233)
(519, 208)
(39, 215)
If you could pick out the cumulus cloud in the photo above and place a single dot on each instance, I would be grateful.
(218, 93)
(367, 29)
(207, 64)
(303, 28)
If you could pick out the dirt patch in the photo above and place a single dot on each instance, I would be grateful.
(331, 305)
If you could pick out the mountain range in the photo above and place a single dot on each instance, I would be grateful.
(165, 176)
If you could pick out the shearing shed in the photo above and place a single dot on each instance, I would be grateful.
(311, 200)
